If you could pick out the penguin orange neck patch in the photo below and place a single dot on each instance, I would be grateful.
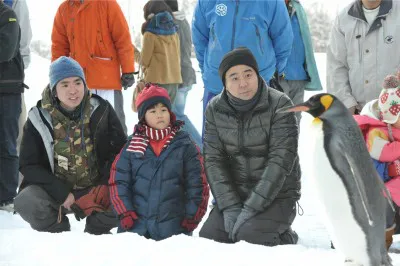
(316, 121)
(326, 101)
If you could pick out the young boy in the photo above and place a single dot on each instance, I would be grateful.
(158, 186)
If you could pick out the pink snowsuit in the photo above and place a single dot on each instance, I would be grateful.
(380, 147)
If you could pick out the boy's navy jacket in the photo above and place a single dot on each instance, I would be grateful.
(162, 191)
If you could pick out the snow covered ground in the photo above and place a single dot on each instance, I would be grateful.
(20, 245)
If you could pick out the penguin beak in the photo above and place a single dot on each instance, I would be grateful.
(303, 107)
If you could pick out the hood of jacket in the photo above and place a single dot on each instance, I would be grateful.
(162, 24)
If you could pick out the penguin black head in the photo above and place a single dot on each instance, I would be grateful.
(315, 106)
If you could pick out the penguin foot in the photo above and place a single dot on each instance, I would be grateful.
(350, 262)
(386, 260)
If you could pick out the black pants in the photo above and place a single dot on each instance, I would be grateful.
(270, 228)
(10, 110)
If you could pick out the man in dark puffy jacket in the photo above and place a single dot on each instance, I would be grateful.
(11, 87)
(251, 158)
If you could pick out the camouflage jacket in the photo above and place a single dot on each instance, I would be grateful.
(37, 156)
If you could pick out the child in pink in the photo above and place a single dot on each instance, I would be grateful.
(379, 120)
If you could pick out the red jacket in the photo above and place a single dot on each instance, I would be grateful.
(96, 34)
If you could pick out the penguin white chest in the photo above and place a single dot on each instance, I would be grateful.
(347, 235)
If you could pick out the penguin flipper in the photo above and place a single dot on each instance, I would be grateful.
(386, 192)
(346, 168)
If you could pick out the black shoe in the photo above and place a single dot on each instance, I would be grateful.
(289, 237)
(332, 246)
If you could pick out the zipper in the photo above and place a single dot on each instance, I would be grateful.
(213, 32)
(241, 129)
(95, 133)
(234, 24)
(11, 81)
(259, 39)
(102, 58)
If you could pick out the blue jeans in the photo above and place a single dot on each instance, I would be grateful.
(10, 110)
(178, 108)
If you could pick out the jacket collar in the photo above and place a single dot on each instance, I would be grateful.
(357, 12)
(356, 9)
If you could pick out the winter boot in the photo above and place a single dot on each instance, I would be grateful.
(389, 237)
(289, 237)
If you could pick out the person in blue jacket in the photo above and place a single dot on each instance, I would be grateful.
(158, 186)
(301, 71)
(219, 26)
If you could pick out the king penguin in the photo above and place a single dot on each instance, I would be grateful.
(349, 188)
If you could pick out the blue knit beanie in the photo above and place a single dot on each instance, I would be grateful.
(65, 67)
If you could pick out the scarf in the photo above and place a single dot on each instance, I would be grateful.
(244, 106)
(143, 134)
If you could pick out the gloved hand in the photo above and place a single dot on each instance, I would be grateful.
(189, 225)
(102, 195)
(230, 215)
(243, 217)
(274, 81)
(127, 220)
(96, 199)
(127, 80)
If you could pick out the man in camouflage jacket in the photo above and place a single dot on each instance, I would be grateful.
(69, 143)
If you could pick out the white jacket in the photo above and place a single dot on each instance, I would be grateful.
(21, 9)
(359, 56)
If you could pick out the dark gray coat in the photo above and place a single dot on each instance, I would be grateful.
(185, 38)
(252, 159)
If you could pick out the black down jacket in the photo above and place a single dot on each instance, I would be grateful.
(251, 158)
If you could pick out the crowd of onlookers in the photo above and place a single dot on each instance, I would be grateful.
(255, 57)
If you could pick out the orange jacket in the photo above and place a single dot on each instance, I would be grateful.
(96, 34)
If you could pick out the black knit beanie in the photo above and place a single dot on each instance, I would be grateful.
(238, 56)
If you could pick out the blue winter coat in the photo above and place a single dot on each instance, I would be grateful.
(219, 26)
(161, 190)
(302, 51)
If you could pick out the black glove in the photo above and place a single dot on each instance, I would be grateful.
(127, 80)
(244, 216)
(230, 216)
(274, 81)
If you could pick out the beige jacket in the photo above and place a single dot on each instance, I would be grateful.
(160, 58)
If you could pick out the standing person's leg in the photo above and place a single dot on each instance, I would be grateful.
(172, 90)
(119, 108)
(295, 90)
(21, 124)
(21, 121)
(390, 224)
(179, 109)
(207, 96)
(10, 110)
(114, 97)
(40, 210)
